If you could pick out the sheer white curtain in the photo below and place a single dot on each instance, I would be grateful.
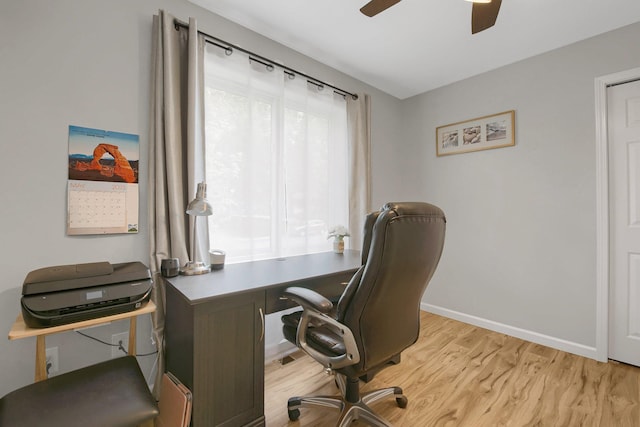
(277, 159)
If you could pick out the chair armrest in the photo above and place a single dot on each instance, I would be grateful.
(315, 308)
(308, 299)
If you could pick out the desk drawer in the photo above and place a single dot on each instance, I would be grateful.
(331, 287)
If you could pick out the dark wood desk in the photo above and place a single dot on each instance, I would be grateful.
(214, 329)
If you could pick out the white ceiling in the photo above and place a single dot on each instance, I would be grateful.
(419, 45)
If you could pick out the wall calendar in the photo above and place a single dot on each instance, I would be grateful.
(102, 192)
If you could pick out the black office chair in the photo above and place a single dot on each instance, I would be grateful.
(377, 316)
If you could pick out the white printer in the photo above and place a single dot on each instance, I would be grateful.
(64, 294)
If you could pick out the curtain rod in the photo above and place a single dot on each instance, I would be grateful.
(229, 47)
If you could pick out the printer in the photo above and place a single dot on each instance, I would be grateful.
(64, 294)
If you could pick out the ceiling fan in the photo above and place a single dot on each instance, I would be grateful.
(483, 14)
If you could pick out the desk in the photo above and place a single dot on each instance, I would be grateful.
(21, 330)
(214, 329)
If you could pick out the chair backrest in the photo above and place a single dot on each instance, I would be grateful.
(381, 304)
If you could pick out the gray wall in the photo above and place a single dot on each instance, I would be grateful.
(520, 251)
(520, 248)
(87, 63)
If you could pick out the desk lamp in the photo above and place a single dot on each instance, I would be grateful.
(197, 207)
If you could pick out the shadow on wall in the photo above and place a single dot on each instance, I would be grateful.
(17, 358)
(9, 308)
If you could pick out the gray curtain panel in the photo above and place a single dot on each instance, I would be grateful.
(359, 128)
(176, 153)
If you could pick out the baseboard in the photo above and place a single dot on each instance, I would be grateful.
(535, 337)
(278, 351)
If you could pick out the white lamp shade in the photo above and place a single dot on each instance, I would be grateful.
(200, 206)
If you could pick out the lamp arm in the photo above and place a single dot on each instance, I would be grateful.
(193, 239)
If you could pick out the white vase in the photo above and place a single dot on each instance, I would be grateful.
(338, 245)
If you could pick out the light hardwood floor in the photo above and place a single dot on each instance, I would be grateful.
(462, 375)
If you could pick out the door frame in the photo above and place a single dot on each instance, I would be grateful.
(602, 207)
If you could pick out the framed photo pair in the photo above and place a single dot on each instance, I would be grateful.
(483, 133)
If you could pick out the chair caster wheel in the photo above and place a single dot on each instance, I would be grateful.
(402, 401)
(294, 414)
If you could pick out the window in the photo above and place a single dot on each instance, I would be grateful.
(276, 159)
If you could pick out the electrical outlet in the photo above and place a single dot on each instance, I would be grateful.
(52, 361)
(116, 339)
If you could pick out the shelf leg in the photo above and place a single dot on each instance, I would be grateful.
(132, 335)
(41, 359)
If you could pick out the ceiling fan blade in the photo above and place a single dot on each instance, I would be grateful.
(484, 15)
(376, 6)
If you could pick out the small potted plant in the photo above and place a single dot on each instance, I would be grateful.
(339, 232)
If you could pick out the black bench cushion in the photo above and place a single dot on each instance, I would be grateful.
(110, 394)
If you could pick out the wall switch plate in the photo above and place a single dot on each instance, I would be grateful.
(115, 339)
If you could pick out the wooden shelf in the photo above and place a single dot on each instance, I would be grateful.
(21, 330)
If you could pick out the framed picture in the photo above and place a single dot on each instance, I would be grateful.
(483, 133)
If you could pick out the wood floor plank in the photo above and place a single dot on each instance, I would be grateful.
(459, 375)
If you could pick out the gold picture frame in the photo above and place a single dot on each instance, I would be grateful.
(483, 133)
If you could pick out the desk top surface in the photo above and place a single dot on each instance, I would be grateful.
(262, 275)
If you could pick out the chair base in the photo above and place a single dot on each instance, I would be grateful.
(358, 409)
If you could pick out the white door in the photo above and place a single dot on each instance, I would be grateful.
(623, 109)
